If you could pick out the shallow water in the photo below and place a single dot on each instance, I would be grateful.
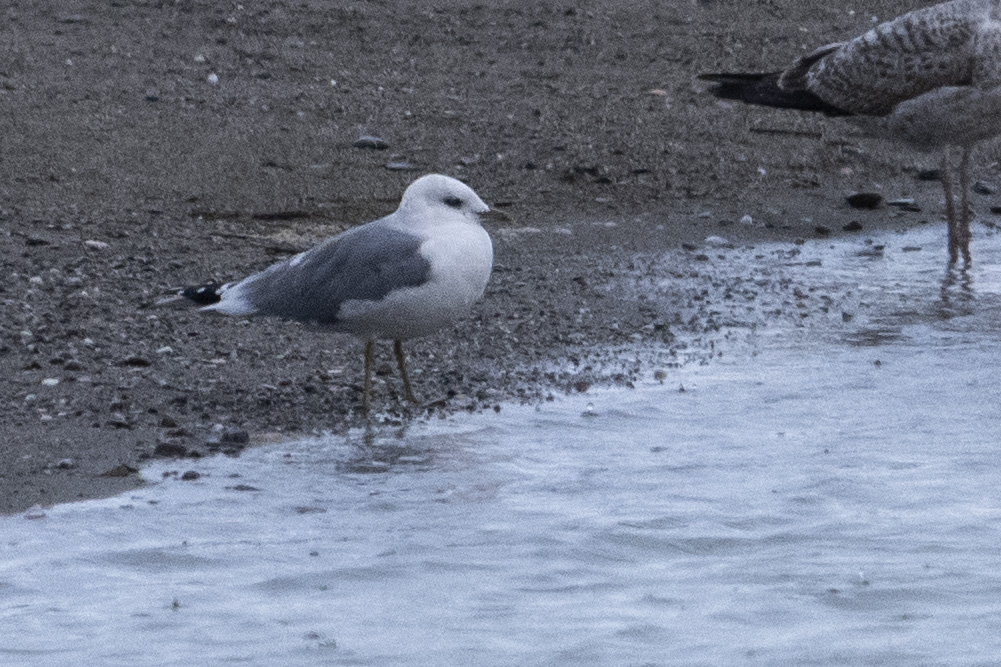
(824, 493)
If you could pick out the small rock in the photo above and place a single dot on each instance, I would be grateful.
(135, 362)
(867, 200)
(120, 470)
(234, 436)
(168, 422)
(717, 242)
(212, 78)
(35, 512)
(50, 382)
(821, 230)
(982, 188)
(190, 475)
(929, 175)
(96, 245)
(370, 142)
(170, 450)
(118, 420)
(66, 464)
(242, 487)
(904, 204)
(401, 166)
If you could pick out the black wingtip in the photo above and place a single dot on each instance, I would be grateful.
(203, 295)
(763, 89)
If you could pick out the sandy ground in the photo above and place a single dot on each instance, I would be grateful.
(150, 145)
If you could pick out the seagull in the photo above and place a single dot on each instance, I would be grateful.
(930, 78)
(406, 275)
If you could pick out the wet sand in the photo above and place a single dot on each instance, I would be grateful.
(149, 146)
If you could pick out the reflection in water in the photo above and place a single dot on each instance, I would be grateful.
(377, 450)
(957, 297)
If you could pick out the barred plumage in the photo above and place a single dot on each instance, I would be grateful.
(930, 78)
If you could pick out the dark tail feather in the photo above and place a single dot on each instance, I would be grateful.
(763, 89)
(203, 295)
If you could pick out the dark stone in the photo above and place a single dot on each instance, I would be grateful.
(370, 142)
(170, 450)
(866, 200)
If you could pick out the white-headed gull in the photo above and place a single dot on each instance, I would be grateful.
(405, 275)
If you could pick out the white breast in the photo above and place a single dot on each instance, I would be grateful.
(461, 257)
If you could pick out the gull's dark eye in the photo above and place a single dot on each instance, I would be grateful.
(452, 201)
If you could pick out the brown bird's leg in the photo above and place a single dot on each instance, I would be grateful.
(950, 206)
(407, 391)
(965, 212)
(369, 360)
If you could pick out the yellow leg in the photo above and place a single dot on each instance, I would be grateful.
(950, 207)
(369, 360)
(400, 360)
(965, 212)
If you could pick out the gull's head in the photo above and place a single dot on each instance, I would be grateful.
(440, 195)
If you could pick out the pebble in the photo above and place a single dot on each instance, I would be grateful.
(170, 450)
(119, 420)
(120, 470)
(96, 245)
(35, 512)
(242, 487)
(370, 142)
(904, 204)
(866, 200)
(190, 475)
(234, 436)
(717, 242)
(401, 166)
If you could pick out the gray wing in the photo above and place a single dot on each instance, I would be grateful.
(365, 263)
